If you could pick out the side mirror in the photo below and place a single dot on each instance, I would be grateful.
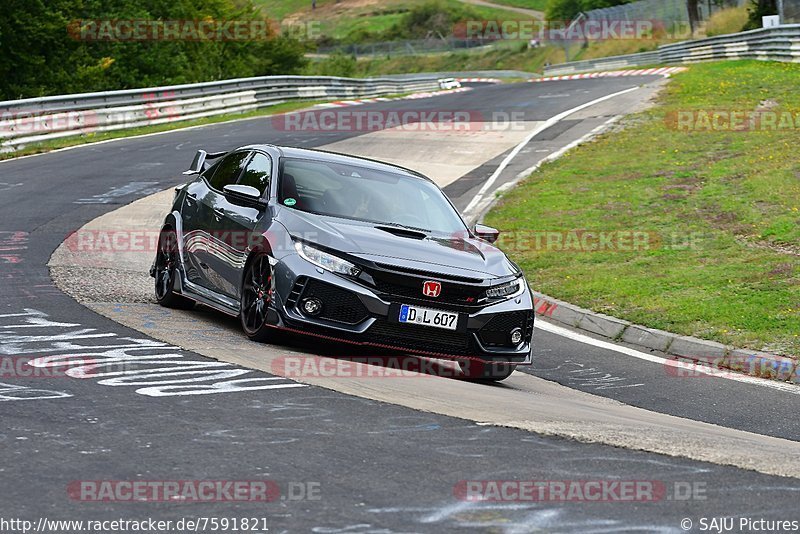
(487, 233)
(242, 192)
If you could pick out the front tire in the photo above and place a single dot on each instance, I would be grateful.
(478, 371)
(256, 299)
(165, 272)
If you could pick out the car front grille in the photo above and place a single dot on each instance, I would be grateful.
(496, 332)
(419, 338)
(409, 287)
(338, 305)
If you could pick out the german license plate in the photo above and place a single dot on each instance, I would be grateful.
(428, 317)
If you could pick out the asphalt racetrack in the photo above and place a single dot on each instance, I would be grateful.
(350, 455)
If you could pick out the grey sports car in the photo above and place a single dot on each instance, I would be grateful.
(346, 248)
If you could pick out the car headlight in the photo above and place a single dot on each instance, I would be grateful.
(505, 290)
(327, 261)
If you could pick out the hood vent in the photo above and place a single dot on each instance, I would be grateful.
(403, 232)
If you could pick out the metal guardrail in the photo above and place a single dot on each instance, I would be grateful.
(606, 63)
(781, 43)
(774, 44)
(468, 74)
(33, 120)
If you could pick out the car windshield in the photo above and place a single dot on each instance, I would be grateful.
(354, 192)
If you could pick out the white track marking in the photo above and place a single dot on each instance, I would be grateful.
(717, 373)
(478, 201)
(168, 373)
(557, 154)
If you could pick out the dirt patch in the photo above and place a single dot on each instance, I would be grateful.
(768, 104)
(682, 187)
(727, 221)
(335, 9)
(664, 174)
(783, 270)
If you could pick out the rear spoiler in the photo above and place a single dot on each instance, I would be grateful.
(199, 161)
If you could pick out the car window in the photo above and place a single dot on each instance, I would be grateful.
(354, 192)
(257, 172)
(227, 171)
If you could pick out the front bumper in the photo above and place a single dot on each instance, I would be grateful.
(356, 314)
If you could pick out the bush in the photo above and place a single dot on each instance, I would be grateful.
(758, 9)
(730, 20)
(432, 19)
(565, 10)
(337, 64)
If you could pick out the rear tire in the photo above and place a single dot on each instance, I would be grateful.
(165, 272)
(486, 372)
(256, 299)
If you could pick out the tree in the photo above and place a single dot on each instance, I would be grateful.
(41, 57)
(566, 10)
(758, 9)
(694, 14)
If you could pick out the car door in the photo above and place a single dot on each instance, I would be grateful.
(193, 231)
(203, 225)
(237, 223)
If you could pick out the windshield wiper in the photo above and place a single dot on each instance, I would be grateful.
(406, 227)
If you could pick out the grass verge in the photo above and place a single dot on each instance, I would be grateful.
(343, 18)
(720, 209)
(504, 56)
(514, 57)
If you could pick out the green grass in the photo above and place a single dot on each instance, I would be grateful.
(512, 56)
(616, 47)
(338, 20)
(724, 207)
(47, 146)
(278, 9)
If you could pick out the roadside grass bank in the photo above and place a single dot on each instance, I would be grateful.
(509, 56)
(94, 137)
(717, 212)
(361, 21)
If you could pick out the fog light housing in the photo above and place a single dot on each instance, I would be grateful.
(516, 336)
(312, 306)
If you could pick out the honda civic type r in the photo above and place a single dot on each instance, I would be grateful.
(345, 248)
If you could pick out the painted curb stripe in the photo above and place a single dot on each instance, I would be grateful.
(663, 71)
